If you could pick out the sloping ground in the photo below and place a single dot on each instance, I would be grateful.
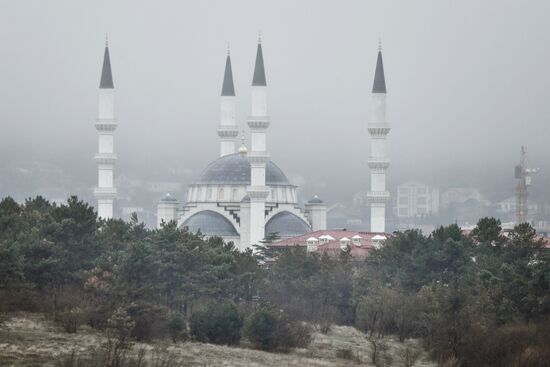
(31, 340)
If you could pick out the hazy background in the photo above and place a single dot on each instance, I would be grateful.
(468, 84)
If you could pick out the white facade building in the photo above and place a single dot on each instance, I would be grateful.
(106, 123)
(415, 199)
(378, 160)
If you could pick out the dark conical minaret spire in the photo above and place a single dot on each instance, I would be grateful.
(228, 88)
(106, 76)
(259, 71)
(379, 85)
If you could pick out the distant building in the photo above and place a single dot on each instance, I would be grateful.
(507, 207)
(463, 205)
(415, 199)
(461, 195)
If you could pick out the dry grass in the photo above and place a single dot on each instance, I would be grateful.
(32, 340)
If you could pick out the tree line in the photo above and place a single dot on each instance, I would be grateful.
(481, 299)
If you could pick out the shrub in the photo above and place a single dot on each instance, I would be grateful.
(345, 353)
(177, 328)
(71, 319)
(293, 334)
(409, 355)
(268, 330)
(150, 320)
(218, 323)
(261, 329)
(380, 352)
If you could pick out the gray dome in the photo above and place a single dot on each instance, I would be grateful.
(315, 200)
(286, 225)
(234, 169)
(168, 199)
(210, 223)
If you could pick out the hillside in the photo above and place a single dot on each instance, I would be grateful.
(32, 340)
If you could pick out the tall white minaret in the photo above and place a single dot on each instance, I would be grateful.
(378, 160)
(228, 130)
(106, 123)
(258, 121)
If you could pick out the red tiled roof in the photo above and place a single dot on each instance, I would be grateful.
(333, 246)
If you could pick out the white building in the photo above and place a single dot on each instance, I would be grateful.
(244, 196)
(456, 196)
(415, 199)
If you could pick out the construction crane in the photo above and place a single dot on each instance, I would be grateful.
(523, 175)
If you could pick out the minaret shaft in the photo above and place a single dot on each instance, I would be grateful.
(378, 160)
(106, 124)
(258, 122)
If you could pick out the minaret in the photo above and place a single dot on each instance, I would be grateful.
(378, 160)
(228, 130)
(258, 121)
(105, 192)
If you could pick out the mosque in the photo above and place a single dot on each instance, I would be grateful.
(242, 196)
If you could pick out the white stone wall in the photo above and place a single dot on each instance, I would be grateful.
(166, 211)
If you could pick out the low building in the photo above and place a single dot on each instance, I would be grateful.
(332, 242)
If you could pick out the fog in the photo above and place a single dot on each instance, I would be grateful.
(468, 84)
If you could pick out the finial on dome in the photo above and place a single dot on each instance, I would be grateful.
(228, 49)
(259, 36)
(380, 44)
(106, 40)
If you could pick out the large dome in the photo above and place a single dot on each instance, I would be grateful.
(210, 223)
(234, 169)
(286, 224)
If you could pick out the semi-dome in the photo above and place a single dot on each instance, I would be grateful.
(234, 169)
(210, 223)
(286, 224)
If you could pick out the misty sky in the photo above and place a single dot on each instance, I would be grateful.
(468, 83)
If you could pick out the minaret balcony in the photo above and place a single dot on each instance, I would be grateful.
(380, 163)
(379, 128)
(258, 193)
(258, 122)
(255, 157)
(105, 192)
(228, 131)
(105, 158)
(106, 124)
(378, 196)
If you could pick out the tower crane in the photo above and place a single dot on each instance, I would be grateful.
(524, 176)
